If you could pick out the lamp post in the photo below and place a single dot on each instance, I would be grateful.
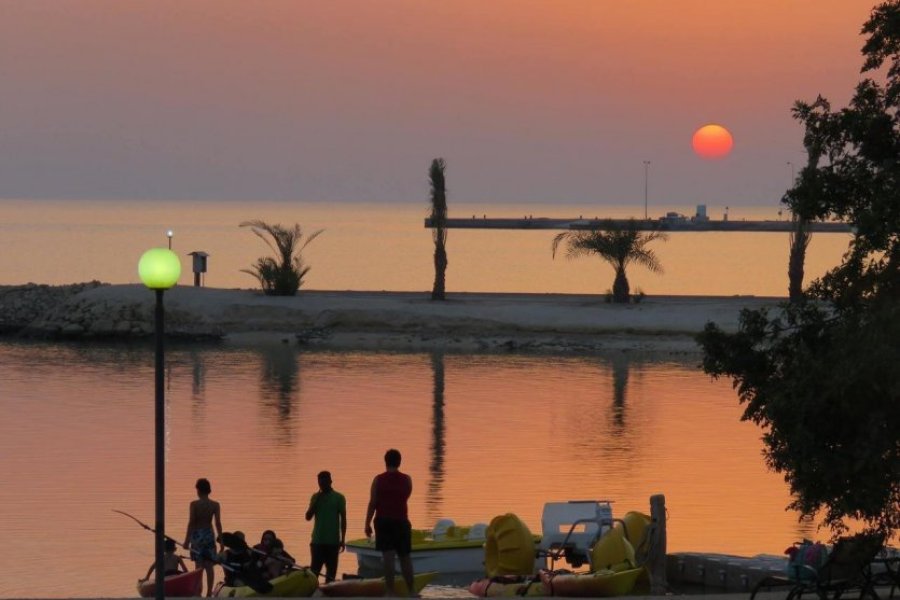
(170, 234)
(159, 270)
(791, 165)
(646, 176)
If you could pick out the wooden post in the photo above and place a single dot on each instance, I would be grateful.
(656, 559)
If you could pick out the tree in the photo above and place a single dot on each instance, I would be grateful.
(282, 275)
(619, 246)
(438, 224)
(821, 378)
(801, 198)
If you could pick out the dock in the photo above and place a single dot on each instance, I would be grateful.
(667, 224)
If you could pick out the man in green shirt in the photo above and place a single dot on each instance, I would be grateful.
(330, 510)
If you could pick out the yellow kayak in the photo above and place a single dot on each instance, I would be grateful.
(599, 584)
(374, 586)
(296, 584)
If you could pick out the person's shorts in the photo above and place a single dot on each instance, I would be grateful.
(393, 534)
(203, 545)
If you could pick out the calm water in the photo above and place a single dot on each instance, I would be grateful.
(384, 246)
(481, 436)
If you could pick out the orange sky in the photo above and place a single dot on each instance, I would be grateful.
(319, 100)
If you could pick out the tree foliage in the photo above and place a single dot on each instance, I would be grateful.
(821, 378)
(619, 246)
(281, 275)
(439, 230)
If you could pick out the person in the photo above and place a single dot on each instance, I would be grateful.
(237, 560)
(173, 563)
(199, 538)
(270, 553)
(264, 548)
(329, 508)
(278, 561)
(388, 500)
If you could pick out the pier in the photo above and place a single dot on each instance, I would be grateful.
(668, 224)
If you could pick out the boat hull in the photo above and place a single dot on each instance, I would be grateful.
(374, 586)
(465, 559)
(296, 584)
(183, 585)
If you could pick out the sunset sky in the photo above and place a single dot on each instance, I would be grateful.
(349, 100)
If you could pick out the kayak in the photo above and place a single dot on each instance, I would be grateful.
(507, 585)
(296, 584)
(374, 586)
(183, 585)
(598, 584)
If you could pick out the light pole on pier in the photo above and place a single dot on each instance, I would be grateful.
(791, 165)
(159, 269)
(646, 177)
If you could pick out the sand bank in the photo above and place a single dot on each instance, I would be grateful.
(400, 320)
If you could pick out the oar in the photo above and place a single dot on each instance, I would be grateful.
(258, 584)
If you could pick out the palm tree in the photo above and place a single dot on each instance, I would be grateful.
(818, 121)
(282, 275)
(619, 246)
(438, 223)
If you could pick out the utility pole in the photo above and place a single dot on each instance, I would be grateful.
(646, 177)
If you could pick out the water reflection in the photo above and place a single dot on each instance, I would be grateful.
(279, 384)
(620, 363)
(436, 466)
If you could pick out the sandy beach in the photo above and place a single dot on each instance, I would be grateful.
(465, 322)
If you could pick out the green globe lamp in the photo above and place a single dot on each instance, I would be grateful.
(159, 269)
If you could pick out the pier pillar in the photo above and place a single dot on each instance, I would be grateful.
(656, 559)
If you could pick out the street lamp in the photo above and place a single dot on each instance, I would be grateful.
(160, 269)
(646, 174)
(170, 234)
(791, 165)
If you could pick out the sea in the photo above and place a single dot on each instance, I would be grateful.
(481, 435)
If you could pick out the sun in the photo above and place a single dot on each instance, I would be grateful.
(712, 141)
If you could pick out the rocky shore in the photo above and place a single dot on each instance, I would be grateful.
(371, 320)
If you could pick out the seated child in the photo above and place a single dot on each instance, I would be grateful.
(278, 562)
(173, 563)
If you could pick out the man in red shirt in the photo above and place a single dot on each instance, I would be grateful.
(393, 533)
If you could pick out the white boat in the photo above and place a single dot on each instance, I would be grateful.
(447, 548)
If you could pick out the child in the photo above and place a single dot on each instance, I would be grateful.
(173, 563)
(279, 562)
(199, 538)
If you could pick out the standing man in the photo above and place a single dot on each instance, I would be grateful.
(393, 533)
(330, 529)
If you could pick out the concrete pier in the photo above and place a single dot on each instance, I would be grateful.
(669, 224)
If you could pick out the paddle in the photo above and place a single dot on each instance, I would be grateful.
(254, 581)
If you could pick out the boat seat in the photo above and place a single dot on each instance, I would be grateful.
(477, 532)
(442, 529)
(570, 529)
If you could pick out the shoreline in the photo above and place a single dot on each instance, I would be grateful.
(365, 320)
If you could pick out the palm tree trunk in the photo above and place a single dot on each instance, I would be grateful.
(440, 270)
(621, 290)
(439, 222)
